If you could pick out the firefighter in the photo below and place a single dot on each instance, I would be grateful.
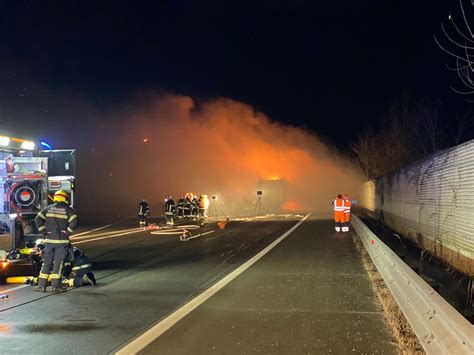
(188, 207)
(339, 218)
(37, 257)
(169, 210)
(143, 212)
(195, 205)
(181, 206)
(78, 270)
(56, 222)
(203, 205)
(347, 212)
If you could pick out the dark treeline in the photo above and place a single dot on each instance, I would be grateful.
(411, 130)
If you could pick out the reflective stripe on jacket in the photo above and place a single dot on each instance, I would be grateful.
(143, 208)
(57, 221)
(347, 206)
(338, 205)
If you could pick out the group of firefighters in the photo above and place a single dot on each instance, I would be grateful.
(188, 206)
(342, 212)
(64, 265)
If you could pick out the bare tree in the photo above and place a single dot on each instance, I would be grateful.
(429, 134)
(408, 132)
(364, 152)
(392, 146)
(463, 128)
(458, 42)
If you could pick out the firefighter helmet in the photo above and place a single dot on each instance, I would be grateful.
(61, 196)
(77, 252)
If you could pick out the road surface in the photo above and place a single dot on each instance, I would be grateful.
(308, 294)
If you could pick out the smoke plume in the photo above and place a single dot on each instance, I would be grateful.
(171, 145)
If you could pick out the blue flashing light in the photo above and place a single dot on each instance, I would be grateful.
(46, 145)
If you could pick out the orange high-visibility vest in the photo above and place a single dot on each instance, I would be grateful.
(338, 205)
(202, 201)
(347, 206)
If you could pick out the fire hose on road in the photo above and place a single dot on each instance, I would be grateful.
(183, 231)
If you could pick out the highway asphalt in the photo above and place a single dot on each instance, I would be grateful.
(141, 277)
(309, 294)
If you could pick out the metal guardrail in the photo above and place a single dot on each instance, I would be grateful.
(438, 326)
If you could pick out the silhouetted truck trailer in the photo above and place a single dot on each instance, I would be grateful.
(271, 195)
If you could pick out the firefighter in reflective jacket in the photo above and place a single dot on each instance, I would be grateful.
(169, 209)
(143, 212)
(339, 217)
(347, 212)
(56, 222)
(78, 269)
(203, 205)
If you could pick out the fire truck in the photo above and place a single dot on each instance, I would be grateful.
(29, 177)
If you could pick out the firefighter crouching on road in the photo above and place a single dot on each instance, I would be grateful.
(347, 212)
(339, 217)
(78, 269)
(56, 222)
(143, 212)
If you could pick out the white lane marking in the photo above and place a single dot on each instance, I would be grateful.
(158, 329)
(14, 288)
(97, 229)
(206, 233)
(107, 237)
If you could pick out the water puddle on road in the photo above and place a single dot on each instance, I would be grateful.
(61, 327)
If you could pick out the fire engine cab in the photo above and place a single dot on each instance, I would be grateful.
(29, 177)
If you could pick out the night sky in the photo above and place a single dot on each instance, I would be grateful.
(332, 67)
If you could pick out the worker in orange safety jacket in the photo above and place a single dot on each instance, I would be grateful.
(347, 212)
(339, 217)
(203, 205)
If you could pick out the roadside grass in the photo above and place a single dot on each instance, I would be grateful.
(403, 334)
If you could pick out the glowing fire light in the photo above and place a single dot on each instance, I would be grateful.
(291, 206)
(224, 146)
(5, 329)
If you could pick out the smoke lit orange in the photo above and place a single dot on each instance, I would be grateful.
(221, 147)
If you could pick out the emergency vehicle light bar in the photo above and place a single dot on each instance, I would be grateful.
(16, 143)
(4, 141)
